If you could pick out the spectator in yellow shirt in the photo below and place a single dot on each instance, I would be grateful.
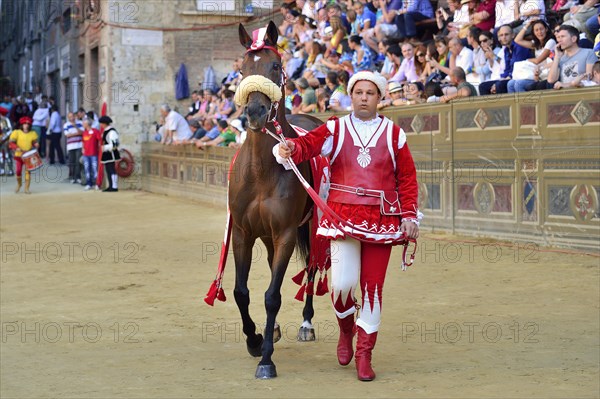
(21, 141)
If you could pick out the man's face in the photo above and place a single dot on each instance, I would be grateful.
(80, 114)
(333, 12)
(453, 79)
(485, 42)
(71, 117)
(455, 46)
(323, 16)
(407, 51)
(565, 40)
(396, 95)
(358, 8)
(365, 97)
(194, 97)
(504, 36)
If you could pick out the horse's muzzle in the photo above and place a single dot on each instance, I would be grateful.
(257, 109)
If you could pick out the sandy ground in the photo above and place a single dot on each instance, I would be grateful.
(101, 297)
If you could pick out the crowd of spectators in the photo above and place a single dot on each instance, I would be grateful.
(428, 50)
(50, 128)
(432, 52)
(212, 118)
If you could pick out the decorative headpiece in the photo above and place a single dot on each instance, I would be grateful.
(377, 79)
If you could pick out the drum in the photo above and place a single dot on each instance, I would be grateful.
(32, 160)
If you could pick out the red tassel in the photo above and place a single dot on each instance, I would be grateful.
(211, 295)
(300, 295)
(221, 295)
(310, 288)
(322, 286)
(298, 278)
(319, 287)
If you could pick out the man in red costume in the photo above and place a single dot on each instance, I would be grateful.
(373, 187)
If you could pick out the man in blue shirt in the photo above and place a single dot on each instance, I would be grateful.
(412, 11)
(512, 53)
(365, 17)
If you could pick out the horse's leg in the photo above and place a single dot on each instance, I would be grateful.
(242, 253)
(284, 247)
(306, 332)
(270, 252)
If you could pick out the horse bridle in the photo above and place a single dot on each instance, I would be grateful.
(281, 85)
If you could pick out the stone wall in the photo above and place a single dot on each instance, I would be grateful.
(149, 59)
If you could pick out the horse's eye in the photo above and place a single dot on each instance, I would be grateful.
(276, 67)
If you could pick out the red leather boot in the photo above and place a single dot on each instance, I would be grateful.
(364, 347)
(344, 347)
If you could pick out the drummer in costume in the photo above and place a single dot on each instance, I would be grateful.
(110, 152)
(21, 141)
(374, 187)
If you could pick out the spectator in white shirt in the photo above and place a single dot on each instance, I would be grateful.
(407, 71)
(505, 13)
(73, 132)
(460, 56)
(176, 128)
(41, 118)
(479, 61)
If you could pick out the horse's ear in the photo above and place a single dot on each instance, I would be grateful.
(245, 38)
(272, 33)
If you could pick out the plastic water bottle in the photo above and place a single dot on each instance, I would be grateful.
(249, 8)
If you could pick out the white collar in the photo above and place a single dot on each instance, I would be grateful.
(373, 122)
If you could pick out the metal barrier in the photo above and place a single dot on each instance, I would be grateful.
(520, 167)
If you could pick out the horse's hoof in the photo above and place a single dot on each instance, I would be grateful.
(256, 349)
(265, 371)
(306, 334)
(276, 333)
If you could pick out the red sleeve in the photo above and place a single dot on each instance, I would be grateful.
(406, 181)
(310, 145)
(489, 6)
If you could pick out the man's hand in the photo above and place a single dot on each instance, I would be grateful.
(285, 151)
(410, 229)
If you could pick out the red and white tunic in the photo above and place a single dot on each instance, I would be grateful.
(364, 155)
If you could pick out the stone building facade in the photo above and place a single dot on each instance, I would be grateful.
(124, 54)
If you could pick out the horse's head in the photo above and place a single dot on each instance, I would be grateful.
(261, 87)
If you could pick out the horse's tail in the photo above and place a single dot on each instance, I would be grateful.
(303, 242)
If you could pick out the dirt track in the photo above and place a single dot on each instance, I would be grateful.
(90, 310)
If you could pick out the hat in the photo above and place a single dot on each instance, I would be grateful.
(376, 79)
(464, 2)
(232, 88)
(105, 119)
(328, 30)
(302, 83)
(394, 87)
(3, 111)
(236, 123)
(25, 119)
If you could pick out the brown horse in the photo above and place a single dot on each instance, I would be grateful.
(265, 200)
